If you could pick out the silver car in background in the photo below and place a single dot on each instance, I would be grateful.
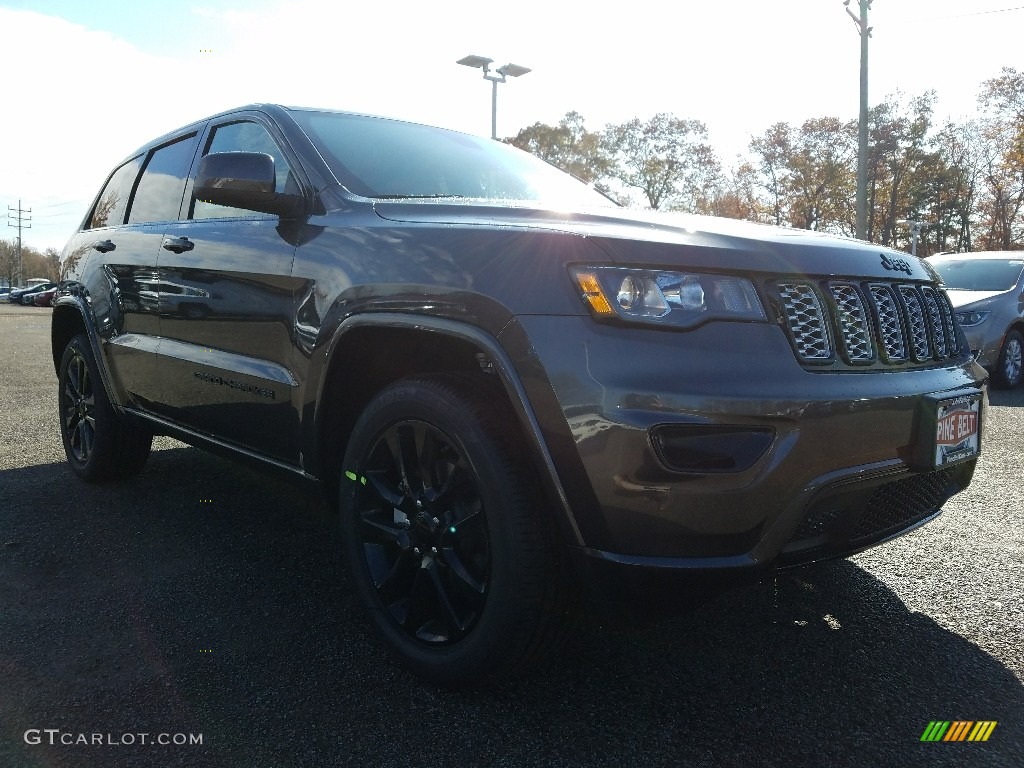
(987, 292)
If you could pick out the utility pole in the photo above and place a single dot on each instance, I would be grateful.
(18, 215)
(862, 134)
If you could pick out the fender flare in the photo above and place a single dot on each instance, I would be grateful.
(64, 304)
(503, 368)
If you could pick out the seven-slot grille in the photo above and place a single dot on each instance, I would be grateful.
(863, 323)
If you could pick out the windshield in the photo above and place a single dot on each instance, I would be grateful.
(378, 157)
(980, 274)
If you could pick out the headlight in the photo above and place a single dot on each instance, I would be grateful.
(970, 319)
(682, 299)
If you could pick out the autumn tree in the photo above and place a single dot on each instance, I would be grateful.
(773, 151)
(568, 145)
(667, 158)
(945, 188)
(8, 262)
(737, 195)
(897, 153)
(35, 264)
(1001, 206)
(821, 188)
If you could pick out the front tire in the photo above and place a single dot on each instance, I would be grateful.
(1008, 373)
(100, 444)
(445, 536)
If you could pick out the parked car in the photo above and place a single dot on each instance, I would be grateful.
(15, 294)
(25, 296)
(44, 298)
(987, 291)
(509, 388)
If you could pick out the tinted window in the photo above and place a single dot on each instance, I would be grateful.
(377, 157)
(980, 274)
(243, 137)
(113, 200)
(158, 196)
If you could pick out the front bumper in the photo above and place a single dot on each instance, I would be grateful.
(842, 473)
(984, 346)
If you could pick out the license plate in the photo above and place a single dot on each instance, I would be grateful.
(957, 429)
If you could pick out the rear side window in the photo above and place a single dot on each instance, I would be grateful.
(158, 195)
(113, 200)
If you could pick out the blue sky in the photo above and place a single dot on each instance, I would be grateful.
(85, 83)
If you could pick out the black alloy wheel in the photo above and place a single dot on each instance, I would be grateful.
(100, 443)
(78, 408)
(447, 540)
(423, 530)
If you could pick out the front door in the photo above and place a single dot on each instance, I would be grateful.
(227, 305)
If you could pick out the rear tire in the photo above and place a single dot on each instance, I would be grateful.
(100, 443)
(445, 535)
(1007, 374)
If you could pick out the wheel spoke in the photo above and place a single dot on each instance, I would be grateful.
(459, 570)
(71, 392)
(457, 488)
(1012, 366)
(429, 456)
(408, 461)
(374, 528)
(88, 437)
(377, 480)
(75, 438)
(468, 523)
(74, 378)
(447, 609)
(396, 584)
(419, 605)
(70, 418)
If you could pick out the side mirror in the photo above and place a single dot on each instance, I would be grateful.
(243, 180)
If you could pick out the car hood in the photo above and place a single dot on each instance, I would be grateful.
(659, 239)
(964, 298)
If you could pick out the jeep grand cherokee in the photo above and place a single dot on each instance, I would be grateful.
(509, 387)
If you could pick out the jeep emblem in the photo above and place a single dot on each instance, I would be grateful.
(896, 265)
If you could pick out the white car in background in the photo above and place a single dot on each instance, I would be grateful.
(987, 292)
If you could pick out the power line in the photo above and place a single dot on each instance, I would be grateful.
(927, 20)
(60, 205)
(980, 13)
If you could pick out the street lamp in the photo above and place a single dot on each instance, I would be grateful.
(499, 75)
(916, 228)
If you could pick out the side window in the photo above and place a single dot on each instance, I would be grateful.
(158, 194)
(113, 200)
(243, 137)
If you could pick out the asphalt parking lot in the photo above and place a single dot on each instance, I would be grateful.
(203, 598)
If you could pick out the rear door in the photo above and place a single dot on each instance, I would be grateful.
(123, 234)
(227, 306)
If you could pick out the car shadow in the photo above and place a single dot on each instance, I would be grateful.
(204, 598)
(1006, 397)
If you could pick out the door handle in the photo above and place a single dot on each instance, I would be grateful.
(105, 246)
(178, 244)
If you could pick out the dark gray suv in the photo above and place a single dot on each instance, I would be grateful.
(510, 388)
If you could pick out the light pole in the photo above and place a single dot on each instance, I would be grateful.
(505, 70)
(916, 228)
